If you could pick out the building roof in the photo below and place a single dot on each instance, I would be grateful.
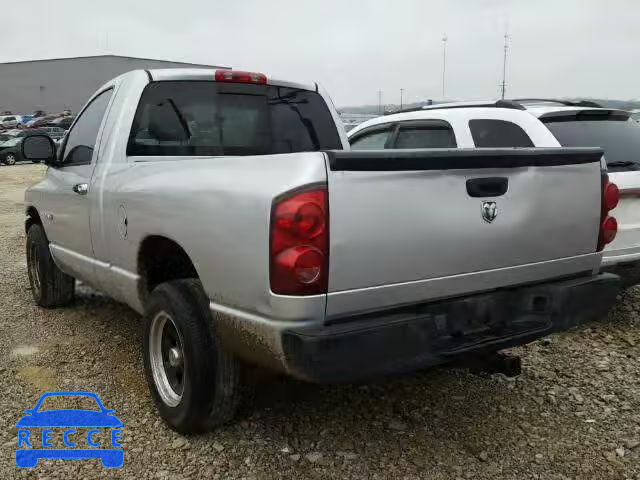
(110, 56)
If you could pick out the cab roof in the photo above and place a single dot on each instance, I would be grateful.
(169, 74)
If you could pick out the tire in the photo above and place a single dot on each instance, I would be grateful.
(180, 334)
(35, 161)
(49, 285)
(9, 158)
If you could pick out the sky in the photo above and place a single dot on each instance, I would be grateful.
(355, 48)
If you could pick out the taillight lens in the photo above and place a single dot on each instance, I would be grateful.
(608, 224)
(237, 76)
(299, 249)
(609, 229)
(611, 195)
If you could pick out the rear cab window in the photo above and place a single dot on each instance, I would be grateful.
(614, 132)
(205, 118)
(498, 134)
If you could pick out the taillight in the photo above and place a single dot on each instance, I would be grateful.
(237, 76)
(608, 224)
(611, 195)
(299, 243)
(609, 229)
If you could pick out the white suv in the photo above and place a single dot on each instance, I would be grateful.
(587, 124)
(454, 125)
(530, 123)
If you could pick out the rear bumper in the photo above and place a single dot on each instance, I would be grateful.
(434, 333)
(611, 258)
(624, 262)
(110, 457)
(629, 273)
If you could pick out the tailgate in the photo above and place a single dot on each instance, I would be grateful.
(408, 226)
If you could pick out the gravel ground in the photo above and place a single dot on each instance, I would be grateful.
(573, 413)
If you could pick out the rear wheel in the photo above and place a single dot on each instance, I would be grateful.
(196, 385)
(49, 285)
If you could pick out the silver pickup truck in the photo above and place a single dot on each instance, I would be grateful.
(227, 208)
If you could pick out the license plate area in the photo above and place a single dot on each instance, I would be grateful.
(461, 324)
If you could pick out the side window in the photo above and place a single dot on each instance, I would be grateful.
(81, 139)
(497, 134)
(371, 141)
(436, 135)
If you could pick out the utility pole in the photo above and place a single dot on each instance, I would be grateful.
(401, 92)
(503, 85)
(444, 61)
(380, 101)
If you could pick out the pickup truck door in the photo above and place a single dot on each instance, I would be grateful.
(68, 194)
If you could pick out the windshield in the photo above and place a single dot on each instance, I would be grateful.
(210, 118)
(618, 137)
(80, 402)
(11, 142)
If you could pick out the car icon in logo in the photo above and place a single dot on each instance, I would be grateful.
(105, 418)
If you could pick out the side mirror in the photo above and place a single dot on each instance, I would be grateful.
(39, 148)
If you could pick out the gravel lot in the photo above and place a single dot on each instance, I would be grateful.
(573, 413)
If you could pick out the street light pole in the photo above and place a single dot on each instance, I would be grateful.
(444, 62)
(401, 92)
(380, 101)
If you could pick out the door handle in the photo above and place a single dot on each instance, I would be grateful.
(487, 186)
(81, 188)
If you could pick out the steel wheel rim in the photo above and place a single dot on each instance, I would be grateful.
(10, 159)
(166, 356)
(34, 269)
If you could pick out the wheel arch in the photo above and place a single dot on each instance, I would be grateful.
(161, 259)
(33, 217)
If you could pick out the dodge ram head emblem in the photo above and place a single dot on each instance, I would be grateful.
(489, 211)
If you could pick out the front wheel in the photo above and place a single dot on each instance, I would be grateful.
(49, 285)
(10, 159)
(196, 385)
